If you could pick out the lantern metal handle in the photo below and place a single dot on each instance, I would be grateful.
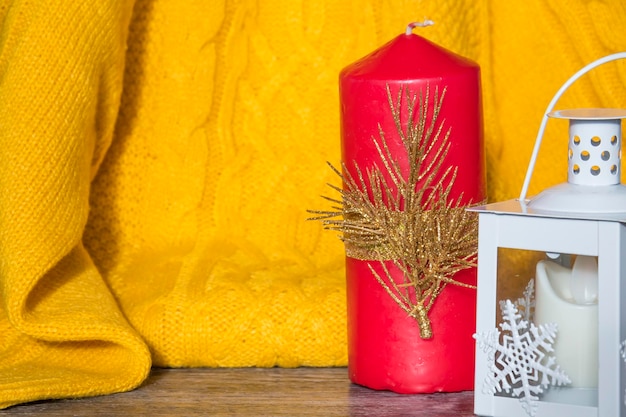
(544, 121)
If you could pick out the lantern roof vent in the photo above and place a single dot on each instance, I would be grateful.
(594, 153)
(594, 165)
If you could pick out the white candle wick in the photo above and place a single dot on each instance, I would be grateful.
(410, 26)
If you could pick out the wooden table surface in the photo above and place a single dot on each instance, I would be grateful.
(253, 392)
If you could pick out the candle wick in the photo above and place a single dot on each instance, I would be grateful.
(410, 26)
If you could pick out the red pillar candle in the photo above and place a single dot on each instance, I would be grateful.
(385, 347)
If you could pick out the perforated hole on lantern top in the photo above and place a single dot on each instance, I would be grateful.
(605, 155)
(613, 140)
(576, 140)
(595, 170)
(570, 153)
(584, 155)
(596, 141)
(614, 169)
(576, 169)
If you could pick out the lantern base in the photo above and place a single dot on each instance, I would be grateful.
(573, 198)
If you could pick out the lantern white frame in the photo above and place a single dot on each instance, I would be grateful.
(515, 224)
(510, 225)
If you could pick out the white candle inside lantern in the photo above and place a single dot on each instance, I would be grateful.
(568, 297)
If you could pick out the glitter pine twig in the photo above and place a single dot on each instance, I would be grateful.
(408, 219)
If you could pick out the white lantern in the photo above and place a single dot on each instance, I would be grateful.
(552, 347)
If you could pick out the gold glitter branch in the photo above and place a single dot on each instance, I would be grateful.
(407, 219)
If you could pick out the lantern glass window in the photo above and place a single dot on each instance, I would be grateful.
(539, 286)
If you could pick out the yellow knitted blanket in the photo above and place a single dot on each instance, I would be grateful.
(157, 159)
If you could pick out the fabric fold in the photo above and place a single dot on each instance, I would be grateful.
(63, 334)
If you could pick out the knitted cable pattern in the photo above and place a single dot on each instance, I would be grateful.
(198, 216)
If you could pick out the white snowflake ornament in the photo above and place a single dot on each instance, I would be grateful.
(521, 363)
(527, 302)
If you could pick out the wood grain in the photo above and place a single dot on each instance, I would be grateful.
(254, 392)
